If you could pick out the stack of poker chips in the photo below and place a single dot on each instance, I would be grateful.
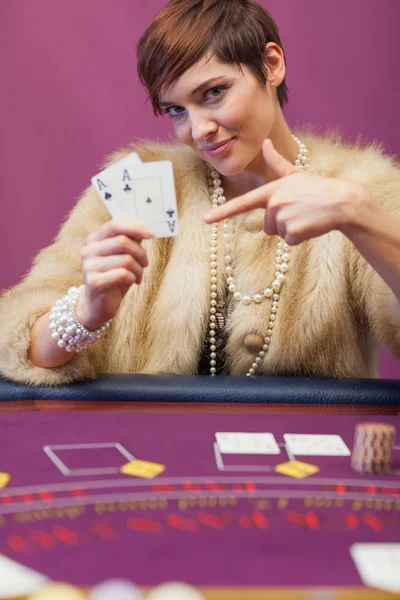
(373, 447)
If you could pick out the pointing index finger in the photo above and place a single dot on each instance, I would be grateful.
(257, 198)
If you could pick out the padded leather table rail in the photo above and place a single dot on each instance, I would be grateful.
(183, 388)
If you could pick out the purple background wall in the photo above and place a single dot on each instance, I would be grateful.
(70, 95)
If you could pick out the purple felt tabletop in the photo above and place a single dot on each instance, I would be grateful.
(209, 519)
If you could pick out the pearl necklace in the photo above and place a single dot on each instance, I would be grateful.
(272, 292)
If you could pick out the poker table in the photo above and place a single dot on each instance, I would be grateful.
(234, 525)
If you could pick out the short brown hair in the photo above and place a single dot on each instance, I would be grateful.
(235, 31)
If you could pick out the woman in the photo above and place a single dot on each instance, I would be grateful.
(303, 275)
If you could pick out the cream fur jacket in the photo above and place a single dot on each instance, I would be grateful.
(334, 307)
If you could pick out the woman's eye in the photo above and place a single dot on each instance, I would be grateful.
(217, 91)
(174, 111)
(213, 93)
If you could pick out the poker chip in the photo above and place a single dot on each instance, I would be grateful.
(175, 590)
(115, 589)
(59, 591)
(373, 447)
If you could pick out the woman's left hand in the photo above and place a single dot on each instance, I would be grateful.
(298, 205)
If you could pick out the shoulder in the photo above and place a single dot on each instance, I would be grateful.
(362, 162)
(332, 156)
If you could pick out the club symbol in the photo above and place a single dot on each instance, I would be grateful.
(107, 196)
(171, 213)
(149, 200)
(127, 188)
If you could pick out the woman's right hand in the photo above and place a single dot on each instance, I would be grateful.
(113, 260)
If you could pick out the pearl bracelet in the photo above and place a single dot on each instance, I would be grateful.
(65, 328)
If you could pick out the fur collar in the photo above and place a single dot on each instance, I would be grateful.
(316, 330)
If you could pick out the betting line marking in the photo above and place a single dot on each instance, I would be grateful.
(182, 495)
(56, 487)
(289, 453)
(222, 467)
(65, 470)
(124, 482)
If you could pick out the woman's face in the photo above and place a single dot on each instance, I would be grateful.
(214, 103)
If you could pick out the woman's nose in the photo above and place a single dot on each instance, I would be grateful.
(202, 128)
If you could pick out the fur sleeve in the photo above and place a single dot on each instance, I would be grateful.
(54, 270)
(373, 299)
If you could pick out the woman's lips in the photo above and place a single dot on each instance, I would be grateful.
(220, 149)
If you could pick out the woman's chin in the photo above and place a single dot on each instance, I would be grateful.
(229, 168)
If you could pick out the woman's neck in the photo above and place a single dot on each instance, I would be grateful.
(258, 172)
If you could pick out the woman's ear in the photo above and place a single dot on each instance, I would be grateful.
(275, 63)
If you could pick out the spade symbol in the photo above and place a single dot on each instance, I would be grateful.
(149, 200)
(127, 188)
(107, 196)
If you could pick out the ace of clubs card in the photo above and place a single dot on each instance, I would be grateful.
(142, 192)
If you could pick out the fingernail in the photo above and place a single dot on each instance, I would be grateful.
(207, 216)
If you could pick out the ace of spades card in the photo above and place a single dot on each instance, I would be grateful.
(142, 192)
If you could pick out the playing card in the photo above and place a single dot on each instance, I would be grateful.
(114, 187)
(16, 580)
(143, 192)
(246, 443)
(316, 445)
(378, 565)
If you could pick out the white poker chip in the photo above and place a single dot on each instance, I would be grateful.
(175, 590)
(116, 589)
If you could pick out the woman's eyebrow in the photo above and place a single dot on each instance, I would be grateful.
(199, 88)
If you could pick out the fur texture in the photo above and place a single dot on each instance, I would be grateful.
(334, 307)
